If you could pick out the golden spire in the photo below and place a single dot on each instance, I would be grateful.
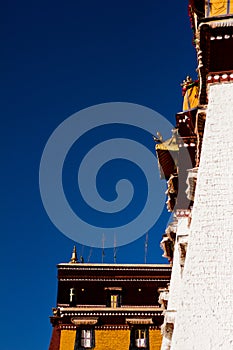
(74, 258)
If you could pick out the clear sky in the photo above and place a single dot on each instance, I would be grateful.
(58, 58)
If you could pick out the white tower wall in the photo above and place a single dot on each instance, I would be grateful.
(204, 317)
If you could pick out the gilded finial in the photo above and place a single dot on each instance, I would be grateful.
(187, 84)
(187, 81)
(74, 258)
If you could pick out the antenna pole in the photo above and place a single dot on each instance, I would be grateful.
(115, 249)
(89, 256)
(146, 247)
(103, 253)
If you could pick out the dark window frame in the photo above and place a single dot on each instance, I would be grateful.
(78, 339)
(110, 302)
(133, 331)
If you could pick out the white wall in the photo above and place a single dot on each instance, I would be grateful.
(205, 315)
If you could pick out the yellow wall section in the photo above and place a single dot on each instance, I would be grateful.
(112, 339)
(109, 339)
(190, 98)
(218, 7)
(120, 339)
(67, 339)
(155, 339)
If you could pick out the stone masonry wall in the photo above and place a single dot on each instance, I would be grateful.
(205, 314)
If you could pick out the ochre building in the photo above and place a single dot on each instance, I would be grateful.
(108, 306)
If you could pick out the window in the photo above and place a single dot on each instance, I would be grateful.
(115, 302)
(85, 339)
(114, 297)
(139, 338)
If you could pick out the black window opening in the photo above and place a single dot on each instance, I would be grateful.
(139, 338)
(85, 339)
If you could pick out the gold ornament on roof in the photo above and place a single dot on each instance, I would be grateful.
(74, 258)
(187, 81)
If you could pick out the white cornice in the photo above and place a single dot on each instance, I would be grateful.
(87, 266)
(91, 279)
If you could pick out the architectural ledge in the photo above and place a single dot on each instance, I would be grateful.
(225, 22)
(139, 320)
(113, 288)
(105, 309)
(141, 279)
(84, 321)
(115, 267)
(220, 77)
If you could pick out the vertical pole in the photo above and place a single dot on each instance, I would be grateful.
(146, 248)
(115, 249)
(103, 253)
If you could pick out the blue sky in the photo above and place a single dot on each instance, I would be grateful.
(58, 58)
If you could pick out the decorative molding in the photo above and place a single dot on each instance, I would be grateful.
(115, 267)
(226, 22)
(113, 288)
(139, 320)
(115, 279)
(182, 213)
(159, 313)
(65, 326)
(89, 307)
(84, 321)
(126, 327)
(220, 77)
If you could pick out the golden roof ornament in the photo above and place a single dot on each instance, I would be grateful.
(187, 84)
(188, 80)
(74, 258)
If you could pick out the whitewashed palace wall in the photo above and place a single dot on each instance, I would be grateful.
(204, 317)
